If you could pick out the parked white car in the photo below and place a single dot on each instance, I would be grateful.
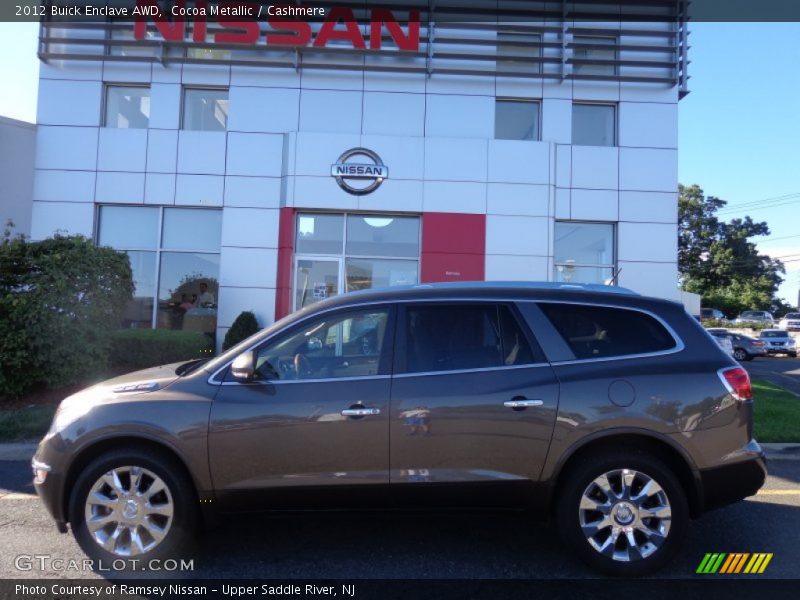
(755, 316)
(790, 322)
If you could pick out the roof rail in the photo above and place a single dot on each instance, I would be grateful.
(532, 285)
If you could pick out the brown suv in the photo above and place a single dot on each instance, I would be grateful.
(616, 414)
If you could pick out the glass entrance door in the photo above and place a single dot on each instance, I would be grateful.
(316, 278)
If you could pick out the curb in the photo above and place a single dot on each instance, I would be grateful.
(776, 451)
(25, 451)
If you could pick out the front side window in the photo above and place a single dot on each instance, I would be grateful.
(174, 254)
(127, 107)
(349, 345)
(451, 337)
(594, 124)
(602, 332)
(516, 119)
(584, 252)
(205, 109)
(598, 54)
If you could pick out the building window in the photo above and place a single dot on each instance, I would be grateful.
(348, 252)
(127, 107)
(592, 49)
(205, 109)
(518, 52)
(174, 254)
(594, 124)
(584, 252)
(516, 119)
(124, 32)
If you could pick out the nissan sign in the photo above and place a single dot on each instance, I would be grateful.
(351, 175)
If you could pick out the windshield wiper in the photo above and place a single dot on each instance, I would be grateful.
(190, 366)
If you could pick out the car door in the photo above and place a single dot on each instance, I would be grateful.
(315, 415)
(473, 404)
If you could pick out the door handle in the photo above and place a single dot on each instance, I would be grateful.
(360, 412)
(522, 403)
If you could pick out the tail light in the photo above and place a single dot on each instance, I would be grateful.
(737, 382)
(758, 344)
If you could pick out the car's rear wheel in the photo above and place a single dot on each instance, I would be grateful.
(741, 355)
(623, 513)
(133, 505)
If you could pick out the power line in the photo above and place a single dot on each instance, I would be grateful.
(758, 206)
(775, 239)
(734, 207)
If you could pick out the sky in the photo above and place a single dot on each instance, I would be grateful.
(739, 127)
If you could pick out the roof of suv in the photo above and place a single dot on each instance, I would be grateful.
(591, 293)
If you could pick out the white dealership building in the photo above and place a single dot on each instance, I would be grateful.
(264, 165)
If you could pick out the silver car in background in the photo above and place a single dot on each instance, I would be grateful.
(755, 316)
(777, 341)
(744, 347)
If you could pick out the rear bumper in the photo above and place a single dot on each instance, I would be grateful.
(728, 484)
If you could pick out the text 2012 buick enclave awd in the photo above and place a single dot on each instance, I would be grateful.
(614, 413)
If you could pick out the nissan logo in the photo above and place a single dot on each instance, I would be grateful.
(351, 176)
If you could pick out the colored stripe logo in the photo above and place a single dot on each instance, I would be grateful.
(734, 563)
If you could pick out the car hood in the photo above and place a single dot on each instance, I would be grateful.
(147, 380)
(132, 386)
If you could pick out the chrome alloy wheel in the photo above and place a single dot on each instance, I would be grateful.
(129, 511)
(625, 515)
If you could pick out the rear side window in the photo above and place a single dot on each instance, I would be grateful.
(450, 337)
(598, 331)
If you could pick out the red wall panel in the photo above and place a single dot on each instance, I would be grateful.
(283, 293)
(453, 247)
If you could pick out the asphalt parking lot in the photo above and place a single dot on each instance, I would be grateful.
(781, 370)
(408, 545)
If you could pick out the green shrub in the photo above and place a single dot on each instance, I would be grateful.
(133, 349)
(243, 327)
(60, 301)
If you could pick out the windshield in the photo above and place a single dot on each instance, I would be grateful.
(792, 316)
(774, 334)
(752, 313)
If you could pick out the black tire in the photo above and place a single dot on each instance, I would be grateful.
(793, 355)
(184, 519)
(578, 479)
(741, 355)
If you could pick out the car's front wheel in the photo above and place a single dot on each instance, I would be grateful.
(133, 505)
(623, 513)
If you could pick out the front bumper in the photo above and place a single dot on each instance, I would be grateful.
(733, 482)
(48, 479)
(782, 350)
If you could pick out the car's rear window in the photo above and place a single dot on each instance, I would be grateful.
(774, 334)
(599, 332)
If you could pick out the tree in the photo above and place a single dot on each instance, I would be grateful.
(242, 328)
(717, 259)
(60, 300)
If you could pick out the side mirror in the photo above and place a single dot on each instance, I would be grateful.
(243, 366)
